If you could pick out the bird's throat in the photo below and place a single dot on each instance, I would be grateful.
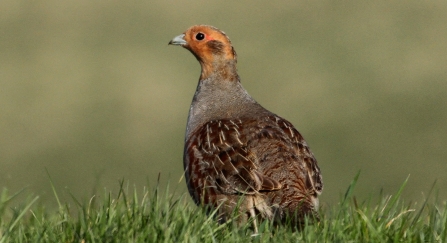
(224, 70)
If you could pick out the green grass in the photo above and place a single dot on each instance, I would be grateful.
(155, 216)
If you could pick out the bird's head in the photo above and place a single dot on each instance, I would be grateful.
(210, 46)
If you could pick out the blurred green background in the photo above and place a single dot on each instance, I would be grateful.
(91, 91)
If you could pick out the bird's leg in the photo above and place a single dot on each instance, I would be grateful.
(255, 223)
(253, 215)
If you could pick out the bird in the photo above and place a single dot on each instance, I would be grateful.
(239, 156)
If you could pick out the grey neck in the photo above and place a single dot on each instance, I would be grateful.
(220, 99)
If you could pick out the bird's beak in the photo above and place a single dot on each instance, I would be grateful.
(178, 40)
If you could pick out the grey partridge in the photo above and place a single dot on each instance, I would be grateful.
(238, 155)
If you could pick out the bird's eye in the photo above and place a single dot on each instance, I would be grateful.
(200, 36)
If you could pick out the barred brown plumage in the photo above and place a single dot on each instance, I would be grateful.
(238, 155)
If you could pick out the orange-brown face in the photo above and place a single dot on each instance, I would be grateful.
(207, 43)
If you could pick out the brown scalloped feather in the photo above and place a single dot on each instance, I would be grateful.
(230, 157)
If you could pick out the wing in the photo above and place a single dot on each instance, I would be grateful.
(298, 155)
(249, 156)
